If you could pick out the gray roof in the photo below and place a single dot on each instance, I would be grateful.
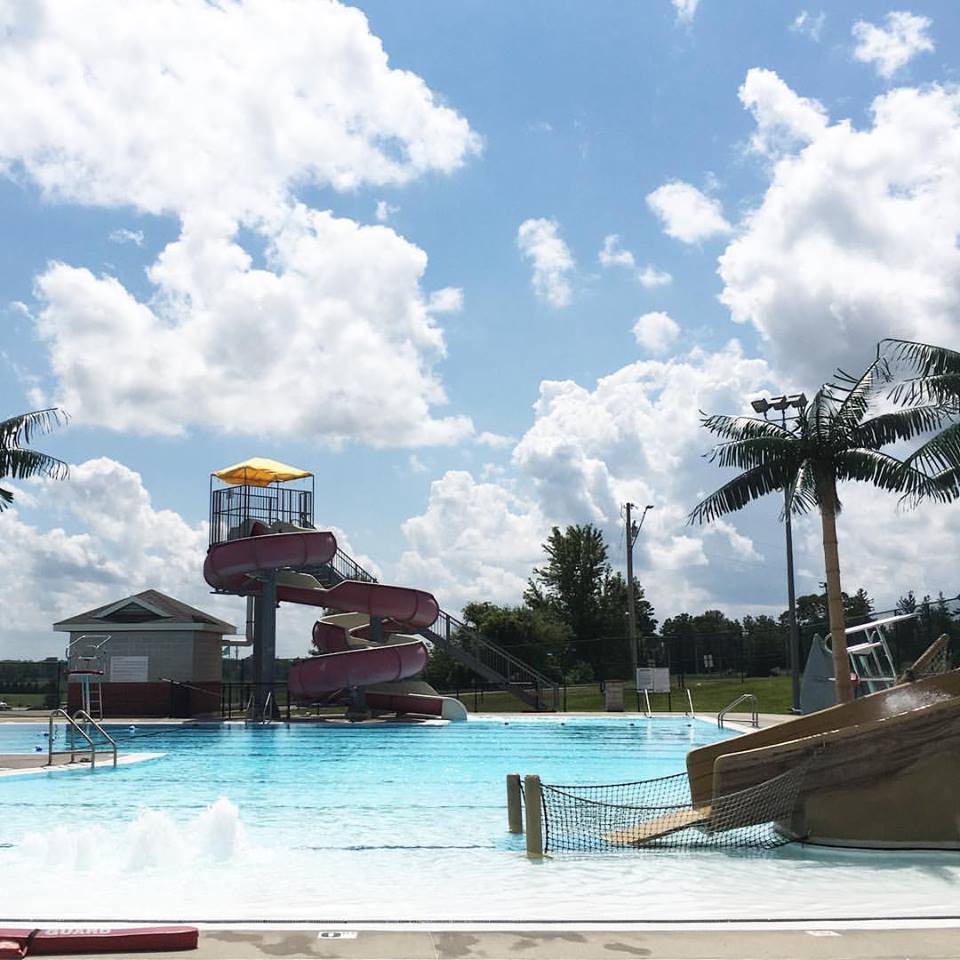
(148, 606)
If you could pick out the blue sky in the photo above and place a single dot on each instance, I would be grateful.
(476, 265)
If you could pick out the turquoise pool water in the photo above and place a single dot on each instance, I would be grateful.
(394, 822)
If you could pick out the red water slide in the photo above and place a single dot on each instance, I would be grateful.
(233, 564)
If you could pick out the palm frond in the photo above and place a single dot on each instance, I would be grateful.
(923, 359)
(904, 424)
(820, 413)
(888, 473)
(20, 429)
(744, 454)
(940, 388)
(949, 483)
(741, 428)
(857, 392)
(6, 498)
(804, 497)
(21, 463)
(737, 493)
(939, 453)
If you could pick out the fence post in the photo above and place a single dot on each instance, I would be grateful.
(533, 796)
(514, 811)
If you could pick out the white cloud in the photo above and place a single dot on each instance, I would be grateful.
(447, 300)
(495, 440)
(809, 25)
(635, 436)
(686, 9)
(540, 242)
(686, 213)
(124, 545)
(656, 331)
(650, 277)
(237, 106)
(783, 119)
(892, 48)
(855, 238)
(122, 235)
(290, 350)
(385, 211)
(475, 541)
(613, 255)
(234, 103)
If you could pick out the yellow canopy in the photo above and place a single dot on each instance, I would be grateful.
(259, 472)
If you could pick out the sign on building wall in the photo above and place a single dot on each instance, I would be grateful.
(128, 669)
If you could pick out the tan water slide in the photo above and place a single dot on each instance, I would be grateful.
(883, 771)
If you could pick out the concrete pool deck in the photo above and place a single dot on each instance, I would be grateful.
(818, 942)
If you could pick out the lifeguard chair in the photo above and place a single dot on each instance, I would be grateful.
(85, 666)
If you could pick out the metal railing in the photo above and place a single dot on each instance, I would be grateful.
(647, 712)
(231, 508)
(689, 711)
(743, 698)
(237, 699)
(471, 648)
(74, 728)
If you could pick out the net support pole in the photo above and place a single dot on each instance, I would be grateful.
(534, 806)
(514, 812)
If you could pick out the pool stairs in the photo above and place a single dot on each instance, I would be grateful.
(462, 643)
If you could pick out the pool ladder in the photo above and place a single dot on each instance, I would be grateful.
(743, 698)
(75, 728)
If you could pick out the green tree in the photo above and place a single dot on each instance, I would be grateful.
(765, 645)
(536, 636)
(18, 461)
(839, 437)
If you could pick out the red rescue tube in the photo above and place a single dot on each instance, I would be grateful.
(309, 679)
(79, 939)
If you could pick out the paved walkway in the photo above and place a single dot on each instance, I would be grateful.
(715, 944)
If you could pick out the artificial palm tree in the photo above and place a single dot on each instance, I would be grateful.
(838, 437)
(18, 461)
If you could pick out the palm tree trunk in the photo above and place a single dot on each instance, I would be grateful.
(827, 495)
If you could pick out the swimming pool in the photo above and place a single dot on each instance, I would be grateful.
(397, 822)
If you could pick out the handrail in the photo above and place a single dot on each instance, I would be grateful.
(449, 632)
(755, 719)
(646, 699)
(74, 725)
(266, 716)
(83, 715)
(689, 711)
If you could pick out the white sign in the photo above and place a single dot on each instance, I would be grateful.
(654, 679)
(128, 669)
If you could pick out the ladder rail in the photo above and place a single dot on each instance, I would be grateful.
(743, 698)
(83, 715)
(266, 715)
(689, 711)
(647, 712)
(74, 726)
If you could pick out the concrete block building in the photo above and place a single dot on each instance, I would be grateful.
(147, 655)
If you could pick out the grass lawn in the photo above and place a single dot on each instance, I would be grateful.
(24, 699)
(710, 694)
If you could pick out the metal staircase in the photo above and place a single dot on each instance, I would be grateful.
(464, 644)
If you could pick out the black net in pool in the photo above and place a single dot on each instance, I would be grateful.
(658, 814)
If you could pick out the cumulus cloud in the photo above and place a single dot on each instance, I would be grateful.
(288, 350)
(475, 541)
(783, 118)
(384, 211)
(656, 331)
(123, 235)
(855, 237)
(809, 25)
(686, 9)
(686, 213)
(123, 544)
(540, 242)
(634, 436)
(234, 103)
(613, 255)
(237, 107)
(890, 49)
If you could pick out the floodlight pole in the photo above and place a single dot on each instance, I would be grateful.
(633, 530)
(764, 405)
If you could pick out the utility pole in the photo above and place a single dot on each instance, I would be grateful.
(632, 531)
